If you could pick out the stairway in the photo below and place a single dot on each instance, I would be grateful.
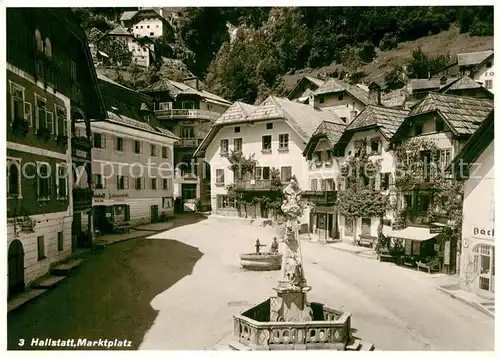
(360, 345)
(489, 306)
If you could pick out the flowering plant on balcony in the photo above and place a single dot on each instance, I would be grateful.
(43, 133)
(20, 125)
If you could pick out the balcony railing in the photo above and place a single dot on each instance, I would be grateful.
(253, 185)
(188, 143)
(82, 198)
(320, 198)
(186, 114)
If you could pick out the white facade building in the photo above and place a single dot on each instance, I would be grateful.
(276, 132)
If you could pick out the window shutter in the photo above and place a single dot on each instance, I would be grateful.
(28, 113)
(378, 179)
(323, 184)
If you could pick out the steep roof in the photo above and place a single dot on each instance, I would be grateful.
(464, 82)
(462, 114)
(395, 98)
(479, 65)
(327, 129)
(128, 15)
(303, 119)
(474, 147)
(119, 31)
(315, 81)
(175, 88)
(387, 120)
(334, 85)
(472, 58)
(118, 118)
(236, 112)
(428, 83)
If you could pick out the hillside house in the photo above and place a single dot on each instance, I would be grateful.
(344, 99)
(143, 52)
(447, 121)
(304, 88)
(187, 111)
(276, 132)
(323, 169)
(374, 129)
(146, 22)
(50, 88)
(477, 65)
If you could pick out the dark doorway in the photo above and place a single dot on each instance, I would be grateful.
(16, 268)
(154, 213)
(331, 226)
(188, 191)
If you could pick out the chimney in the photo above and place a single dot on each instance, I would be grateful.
(442, 81)
(312, 102)
(193, 82)
(374, 93)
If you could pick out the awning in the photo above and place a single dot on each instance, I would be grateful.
(412, 233)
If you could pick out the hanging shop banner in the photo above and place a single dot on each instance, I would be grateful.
(447, 252)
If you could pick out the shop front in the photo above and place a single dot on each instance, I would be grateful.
(478, 262)
(108, 217)
(421, 248)
(323, 223)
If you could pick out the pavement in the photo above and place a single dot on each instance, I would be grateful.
(393, 307)
(46, 282)
(179, 289)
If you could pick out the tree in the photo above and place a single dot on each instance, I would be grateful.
(395, 78)
(116, 50)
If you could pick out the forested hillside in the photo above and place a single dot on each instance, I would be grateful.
(272, 44)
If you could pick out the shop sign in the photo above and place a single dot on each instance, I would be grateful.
(483, 233)
(434, 230)
(118, 196)
(81, 153)
(447, 252)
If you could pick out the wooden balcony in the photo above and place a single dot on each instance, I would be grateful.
(82, 199)
(320, 198)
(253, 185)
(187, 114)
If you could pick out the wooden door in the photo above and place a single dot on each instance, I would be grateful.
(16, 267)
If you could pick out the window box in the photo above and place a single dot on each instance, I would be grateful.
(21, 126)
(62, 139)
(318, 163)
(224, 153)
(266, 151)
(283, 149)
(328, 163)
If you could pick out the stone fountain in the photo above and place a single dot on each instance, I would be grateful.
(288, 321)
(261, 260)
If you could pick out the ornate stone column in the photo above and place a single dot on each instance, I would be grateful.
(291, 302)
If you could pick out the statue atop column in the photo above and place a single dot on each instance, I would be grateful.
(292, 271)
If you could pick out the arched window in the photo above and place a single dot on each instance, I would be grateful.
(48, 48)
(39, 42)
(13, 179)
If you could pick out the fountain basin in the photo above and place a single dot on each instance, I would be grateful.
(261, 261)
(329, 329)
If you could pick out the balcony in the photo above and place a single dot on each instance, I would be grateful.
(253, 185)
(82, 199)
(320, 198)
(188, 143)
(187, 114)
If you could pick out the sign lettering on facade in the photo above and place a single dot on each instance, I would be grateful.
(447, 252)
(81, 153)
